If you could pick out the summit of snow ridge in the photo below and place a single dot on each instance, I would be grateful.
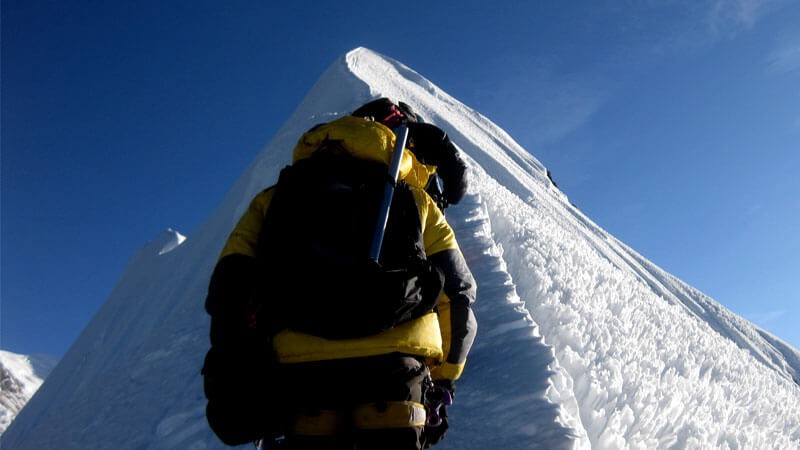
(171, 239)
(165, 242)
(476, 135)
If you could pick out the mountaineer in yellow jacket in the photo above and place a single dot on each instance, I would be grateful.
(365, 392)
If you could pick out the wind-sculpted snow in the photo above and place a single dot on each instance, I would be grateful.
(581, 342)
(515, 395)
(646, 373)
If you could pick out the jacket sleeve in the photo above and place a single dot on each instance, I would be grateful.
(432, 146)
(457, 320)
(453, 171)
(232, 284)
(456, 313)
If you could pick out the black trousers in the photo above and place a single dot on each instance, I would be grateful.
(371, 403)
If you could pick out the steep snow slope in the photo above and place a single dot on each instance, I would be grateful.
(581, 340)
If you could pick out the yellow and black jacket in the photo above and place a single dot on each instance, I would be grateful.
(443, 337)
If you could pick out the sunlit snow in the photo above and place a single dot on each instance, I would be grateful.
(172, 239)
(582, 343)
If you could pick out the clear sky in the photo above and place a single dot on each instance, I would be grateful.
(675, 125)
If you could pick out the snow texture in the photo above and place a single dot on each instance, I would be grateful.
(582, 342)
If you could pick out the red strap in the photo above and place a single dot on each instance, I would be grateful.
(394, 118)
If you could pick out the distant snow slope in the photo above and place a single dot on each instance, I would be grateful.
(581, 342)
(20, 378)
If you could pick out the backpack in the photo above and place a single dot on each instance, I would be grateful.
(315, 245)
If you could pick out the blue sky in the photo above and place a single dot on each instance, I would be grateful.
(675, 125)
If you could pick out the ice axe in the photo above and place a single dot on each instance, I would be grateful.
(401, 134)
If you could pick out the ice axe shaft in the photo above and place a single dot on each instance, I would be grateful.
(401, 134)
